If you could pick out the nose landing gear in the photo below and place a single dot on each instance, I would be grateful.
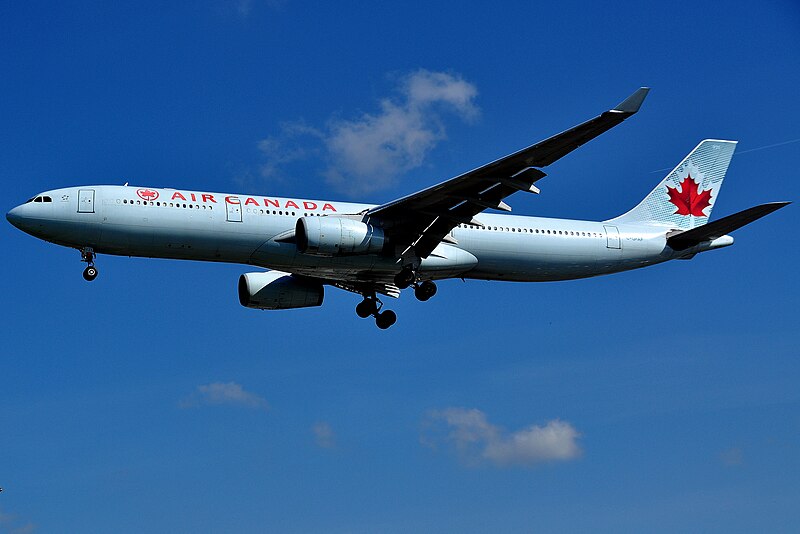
(90, 273)
(371, 306)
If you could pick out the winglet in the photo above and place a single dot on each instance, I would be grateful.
(632, 104)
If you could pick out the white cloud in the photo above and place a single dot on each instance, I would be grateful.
(323, 435)
(732, 457)
(477, 440)
(223, 393)
(367, 153)
(14, 525)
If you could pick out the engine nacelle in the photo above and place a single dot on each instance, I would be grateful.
(337, 236)
(275, 290)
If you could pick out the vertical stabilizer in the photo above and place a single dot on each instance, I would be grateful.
(685, 198)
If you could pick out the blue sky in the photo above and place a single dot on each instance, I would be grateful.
(151, 401)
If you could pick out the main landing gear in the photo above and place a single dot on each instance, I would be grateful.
(425, 290)
(408, 277)
(405, 278)
(90, 272)
(371, 306)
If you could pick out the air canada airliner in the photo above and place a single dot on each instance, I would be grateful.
(437, 233)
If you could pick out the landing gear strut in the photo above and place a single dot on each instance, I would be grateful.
(90, 272)
(371, 306)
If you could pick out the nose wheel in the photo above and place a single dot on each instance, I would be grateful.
(371, 306)
(90, 272)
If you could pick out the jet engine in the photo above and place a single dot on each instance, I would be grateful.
(275, 290)
(337, 236)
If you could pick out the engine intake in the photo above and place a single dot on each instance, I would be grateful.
(337, 236)
(275, 290)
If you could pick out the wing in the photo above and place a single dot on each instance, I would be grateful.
(418, 223)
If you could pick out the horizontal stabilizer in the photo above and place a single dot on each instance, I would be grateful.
(722, 226)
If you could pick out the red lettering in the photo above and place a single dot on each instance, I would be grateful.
(233, 200)
(328, 207)
(292, 204)
(269, 201)
(193, 198)
(177, 194)
(250, 200)
(310, 205)
(209, 198)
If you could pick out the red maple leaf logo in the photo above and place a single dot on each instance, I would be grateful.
(689, 201)
(147, 194)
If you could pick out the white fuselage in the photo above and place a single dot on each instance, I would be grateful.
(192, 225)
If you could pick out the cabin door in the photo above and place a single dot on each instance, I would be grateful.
(612, 237)
(233, 207)
(86, 201)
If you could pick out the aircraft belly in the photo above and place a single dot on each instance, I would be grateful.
(284, 256)
(534, 258)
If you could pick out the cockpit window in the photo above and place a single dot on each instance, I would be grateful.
(29, 200)
(47, 199)
(37, 199)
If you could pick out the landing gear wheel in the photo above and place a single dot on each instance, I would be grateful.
(425, 290)
(366, 307)
(404, 278)
(385, 319)
(90, 273)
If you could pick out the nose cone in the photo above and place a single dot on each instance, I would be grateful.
(15, 217)
(22, 218)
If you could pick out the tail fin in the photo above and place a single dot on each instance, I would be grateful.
(684, 199)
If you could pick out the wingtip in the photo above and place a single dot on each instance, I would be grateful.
(632, 104)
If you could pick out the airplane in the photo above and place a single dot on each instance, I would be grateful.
(438, 233)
